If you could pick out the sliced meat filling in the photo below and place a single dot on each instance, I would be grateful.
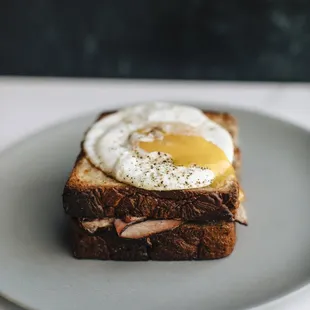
(145, 228)
(241, 216)
(92, 226)
(121, 225)
(131, 227)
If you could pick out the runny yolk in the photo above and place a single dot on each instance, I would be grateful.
(192, 150)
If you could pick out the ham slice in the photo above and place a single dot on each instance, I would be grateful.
(143, 228)
(241, 216)
(133, 219)
(121, 225)
(92, 226)
(132, 227)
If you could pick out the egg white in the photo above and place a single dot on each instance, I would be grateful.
(111, 145)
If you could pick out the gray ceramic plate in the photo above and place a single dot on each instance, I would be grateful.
(271, 258)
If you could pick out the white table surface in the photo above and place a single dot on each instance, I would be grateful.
(29, 104)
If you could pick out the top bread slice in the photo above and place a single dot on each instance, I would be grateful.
(90, 193)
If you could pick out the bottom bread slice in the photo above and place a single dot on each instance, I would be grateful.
(190, 241)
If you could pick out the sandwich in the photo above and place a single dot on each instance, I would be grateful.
(158, 181)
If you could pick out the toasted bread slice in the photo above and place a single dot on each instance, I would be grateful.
(190, 241)
(92, 194)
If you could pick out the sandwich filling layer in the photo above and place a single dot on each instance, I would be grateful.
(140, 227)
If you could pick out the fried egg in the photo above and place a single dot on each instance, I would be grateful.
(160, 146)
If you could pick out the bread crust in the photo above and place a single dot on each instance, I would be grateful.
(190, 241)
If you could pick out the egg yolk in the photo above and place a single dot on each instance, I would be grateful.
(192, 150)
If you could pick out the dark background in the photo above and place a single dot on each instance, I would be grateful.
(262, 40)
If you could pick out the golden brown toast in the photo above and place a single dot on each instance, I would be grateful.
(89, 193)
